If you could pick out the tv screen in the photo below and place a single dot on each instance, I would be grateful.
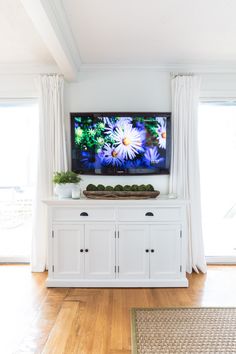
(120, 143)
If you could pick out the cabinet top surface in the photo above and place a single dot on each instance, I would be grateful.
(160, 200)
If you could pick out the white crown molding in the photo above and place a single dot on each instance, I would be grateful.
(222, 68)
(28, 69)
(39, 68)
(49, 19)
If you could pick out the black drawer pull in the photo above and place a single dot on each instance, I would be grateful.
(86, 250)
(147, 251)
(152, 250)
(81, 250)
(149, 214)
(84, 214)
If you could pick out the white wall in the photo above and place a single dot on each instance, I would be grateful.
(18, 86)
(120, 90)
(218, 86)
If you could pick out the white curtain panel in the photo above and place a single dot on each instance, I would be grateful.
(184, 176)
(51, 157)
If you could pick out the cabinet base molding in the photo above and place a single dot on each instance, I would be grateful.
(183, 283)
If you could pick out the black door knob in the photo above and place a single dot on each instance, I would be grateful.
(147, 251)
(149, 214)
(86, 250)
(83, 214)
(81, 250)
(152, 250)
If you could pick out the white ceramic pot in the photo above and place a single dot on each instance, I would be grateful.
(64, 190)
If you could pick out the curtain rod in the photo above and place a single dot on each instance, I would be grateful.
(174, 75)
(218, 100)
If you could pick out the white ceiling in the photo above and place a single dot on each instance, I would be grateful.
(20, 43)
(75, 33)
(153, 32)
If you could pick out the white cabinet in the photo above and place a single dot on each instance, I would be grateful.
(132, 260)
(99, 251)
(120, 243)
(67, 261)
(83, 251)
(165, 251)
(149, 251)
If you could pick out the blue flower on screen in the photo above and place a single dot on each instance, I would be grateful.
(136, 163)
(88, 160)
(153, 157)
(111, 156)
(119, 122)
(161, 130)
(106, 120)
(128, 141)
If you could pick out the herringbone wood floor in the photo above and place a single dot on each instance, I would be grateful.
(34, 319)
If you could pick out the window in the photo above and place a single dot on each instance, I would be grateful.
(217, 156)
(18, 145)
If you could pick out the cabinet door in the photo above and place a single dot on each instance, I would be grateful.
(100, 251)
(133, 260)
(68, 261)
(165, 251)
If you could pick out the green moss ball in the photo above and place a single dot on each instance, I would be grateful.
(91, 187)
(118, 188)
(109, 188)
(134, 188)
(127, 188)
(149, 187)
(100, 187)
(142, 188)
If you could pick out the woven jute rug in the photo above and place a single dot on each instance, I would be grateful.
(183, 330)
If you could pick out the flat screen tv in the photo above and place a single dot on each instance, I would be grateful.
(120, 143)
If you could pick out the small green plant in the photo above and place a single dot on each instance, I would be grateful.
(91, 187)
(66, 177)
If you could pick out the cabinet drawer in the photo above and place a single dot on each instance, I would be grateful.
(149, 214)
(82, 214)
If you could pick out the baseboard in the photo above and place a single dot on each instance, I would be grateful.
(164, 283)
(221, 259)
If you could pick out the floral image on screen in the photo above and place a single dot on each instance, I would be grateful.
(119, 144)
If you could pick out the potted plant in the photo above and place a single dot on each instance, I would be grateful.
(65, 182)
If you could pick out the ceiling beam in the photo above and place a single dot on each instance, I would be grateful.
(49, 18)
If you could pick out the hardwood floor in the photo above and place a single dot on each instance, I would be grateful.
(34, 319)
